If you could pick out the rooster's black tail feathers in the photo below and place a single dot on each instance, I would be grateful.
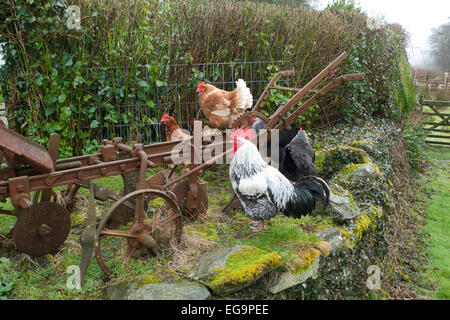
(309, 190)
(317, 186)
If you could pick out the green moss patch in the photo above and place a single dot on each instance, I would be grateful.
(207, 231)
(283, 235)
(242, 268)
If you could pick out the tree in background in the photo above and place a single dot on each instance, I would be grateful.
(293, 3)
(440, 47)
(346, 5)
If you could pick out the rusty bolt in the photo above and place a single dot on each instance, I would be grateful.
(24, 202)
(44, 230)
(81, 175)
(50, 181)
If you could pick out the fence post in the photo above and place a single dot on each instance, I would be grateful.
(446, 81)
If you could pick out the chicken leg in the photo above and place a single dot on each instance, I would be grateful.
(257, 226)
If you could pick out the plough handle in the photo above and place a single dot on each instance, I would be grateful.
(272, 82)
(329, 70)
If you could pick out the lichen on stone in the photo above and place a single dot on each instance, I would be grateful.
(366, 183)
(341, 206)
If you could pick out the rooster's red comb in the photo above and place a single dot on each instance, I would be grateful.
(246, 133)
(165, 115)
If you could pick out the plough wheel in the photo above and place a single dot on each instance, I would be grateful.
(42, 228)
(246, 119)
(124, 214)
(192, 205)
(157, 223)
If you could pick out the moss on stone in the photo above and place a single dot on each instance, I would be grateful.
(368, 184)
(147, 278)
(335, 159)
(367, 220)
(320, 157)
(365, 144)
(361, 225)
(304, 259)
(350, 168)
(345, 175)
(324, 248)
(243, 267)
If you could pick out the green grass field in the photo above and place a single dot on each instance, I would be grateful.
(437, 228)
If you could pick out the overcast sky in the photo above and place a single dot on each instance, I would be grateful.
(418, 17)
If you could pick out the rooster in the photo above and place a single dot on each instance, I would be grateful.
(263, 190)
(223, 107)
(173, 129)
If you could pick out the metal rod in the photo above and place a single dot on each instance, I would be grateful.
(207, 163)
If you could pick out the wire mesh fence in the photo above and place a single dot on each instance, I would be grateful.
(140, 101)
(3, 113)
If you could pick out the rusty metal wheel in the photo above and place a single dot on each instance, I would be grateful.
(42, 228)
(157, 223)
(246, 119)
(124, 214)
(193, 200)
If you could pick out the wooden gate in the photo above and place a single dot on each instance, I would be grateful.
(437, 123)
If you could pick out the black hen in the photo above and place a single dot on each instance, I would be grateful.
(298, 158)
(284, 138)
